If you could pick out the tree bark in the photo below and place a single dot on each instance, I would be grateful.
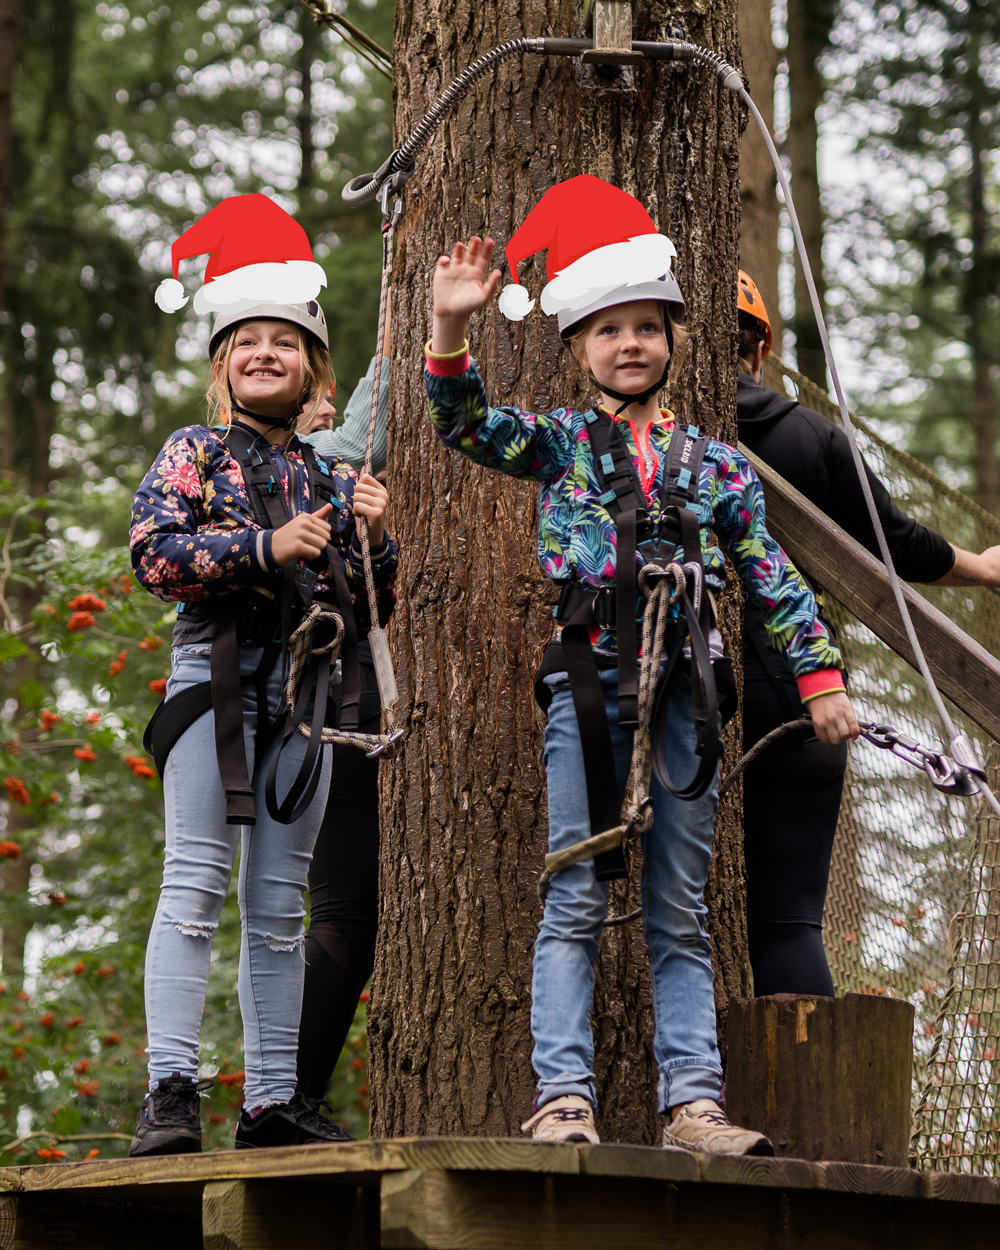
(759, 255)
(979, 289)
(463, 809)
(10, 19)
(809, 25)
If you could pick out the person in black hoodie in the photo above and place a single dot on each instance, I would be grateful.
(791, 797)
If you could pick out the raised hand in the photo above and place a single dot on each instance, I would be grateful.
(463, 283)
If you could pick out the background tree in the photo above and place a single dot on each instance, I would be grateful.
(463, 824)
(809, 26)
(918, 86)
(759, 215)
(129, 121)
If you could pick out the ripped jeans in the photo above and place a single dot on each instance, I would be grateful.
(198, 865)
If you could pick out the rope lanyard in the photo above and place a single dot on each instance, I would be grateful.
(384, 675)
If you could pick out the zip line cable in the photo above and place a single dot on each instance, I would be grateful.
(401, 164)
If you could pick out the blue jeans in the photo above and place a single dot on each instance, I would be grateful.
(274, 864)
(675, 858)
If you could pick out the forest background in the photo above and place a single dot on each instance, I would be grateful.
(126, 123)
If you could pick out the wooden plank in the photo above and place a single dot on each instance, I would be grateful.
(364, 1160)
(964, 670)
(830, 1083)
(639, 1162)
(278, 1214)
(866, 1178)
(750, 1170)
(954, 1187)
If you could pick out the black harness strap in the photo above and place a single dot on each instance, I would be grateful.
(603, 804)
(224, 691)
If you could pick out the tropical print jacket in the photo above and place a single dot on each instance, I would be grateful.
(193, 534)
(576, 535)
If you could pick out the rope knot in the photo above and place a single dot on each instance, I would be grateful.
(653, 576)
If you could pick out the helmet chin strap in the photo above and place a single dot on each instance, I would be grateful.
(280, 423)
(640, 399)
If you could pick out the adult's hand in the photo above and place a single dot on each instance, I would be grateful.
(304, 537)
(833, 717)
(370, 501)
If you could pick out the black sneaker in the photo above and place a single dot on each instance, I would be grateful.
(295, 1123)
(169, 1123)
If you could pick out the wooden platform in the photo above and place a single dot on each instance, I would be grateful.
(454, 1193)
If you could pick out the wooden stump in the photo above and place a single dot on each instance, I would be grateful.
(824, 1078)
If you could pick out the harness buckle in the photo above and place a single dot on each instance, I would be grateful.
(604, 608)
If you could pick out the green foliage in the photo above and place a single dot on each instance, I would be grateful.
(917, 253)
(130, 121)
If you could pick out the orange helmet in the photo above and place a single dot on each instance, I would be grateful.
(749, 301)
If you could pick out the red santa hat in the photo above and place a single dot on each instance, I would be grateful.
(259, 255)
(599, 239)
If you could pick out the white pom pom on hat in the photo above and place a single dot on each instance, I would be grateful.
(170, 297)
(515, 302)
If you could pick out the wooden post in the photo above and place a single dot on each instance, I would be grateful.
(612, 23)
(824, 1078)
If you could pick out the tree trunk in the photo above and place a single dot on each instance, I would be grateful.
(307, 55)
(979, 290)
(463, 809)
(759, 255)
(808, 32)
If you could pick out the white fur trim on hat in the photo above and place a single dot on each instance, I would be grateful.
(170, 297)
(641, 259)
(272, 282)
(515, 303)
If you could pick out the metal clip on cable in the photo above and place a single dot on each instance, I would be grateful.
(944, 773)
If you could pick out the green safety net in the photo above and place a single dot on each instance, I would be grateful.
(914, 899)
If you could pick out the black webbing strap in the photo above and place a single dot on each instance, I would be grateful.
(622, 495)
(603, 804)
(230, 747)
(626, 598)
(321, 491)
(692, 621)
(315, 683)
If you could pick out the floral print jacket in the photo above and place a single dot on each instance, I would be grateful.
(193, 534)
(576, 535)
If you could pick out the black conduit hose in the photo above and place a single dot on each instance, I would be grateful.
(366, 187)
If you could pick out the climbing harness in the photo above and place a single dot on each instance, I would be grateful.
(257, 618)
(960, 771)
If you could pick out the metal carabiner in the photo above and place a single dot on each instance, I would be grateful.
(389, 744)
(695, 575)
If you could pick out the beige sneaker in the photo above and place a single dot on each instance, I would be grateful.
(570, 1118)
(703, 1126)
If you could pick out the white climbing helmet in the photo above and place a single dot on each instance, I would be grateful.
(308, 315)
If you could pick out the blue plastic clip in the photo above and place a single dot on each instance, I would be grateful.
(607, 464)
(323, 467)
(693, 432)
(684, 479)
(607, 497)
(270, 485)
(590, 417)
